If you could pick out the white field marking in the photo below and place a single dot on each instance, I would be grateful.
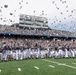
(36, 67)
(69, 66)
(19, 69)
(59, 63)
(51, 66)
(73, 63)
(0, 70)
(51, 61)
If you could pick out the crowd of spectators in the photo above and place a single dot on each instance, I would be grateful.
(34, 31)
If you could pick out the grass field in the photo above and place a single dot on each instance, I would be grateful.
(39, 67)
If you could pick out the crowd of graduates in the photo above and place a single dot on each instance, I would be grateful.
(12, 48)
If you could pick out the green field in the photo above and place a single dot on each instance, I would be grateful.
(39, 67)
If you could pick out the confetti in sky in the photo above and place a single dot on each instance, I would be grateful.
(61, 14)
(5, 6)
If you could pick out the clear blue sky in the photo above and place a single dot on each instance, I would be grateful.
(61, 14)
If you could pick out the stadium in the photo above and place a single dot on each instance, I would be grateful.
(31, 47)
(37, 37)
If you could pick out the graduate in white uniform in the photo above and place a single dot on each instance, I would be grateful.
(11, 53)
(17, 54)
(24, 52)
(46, 53)
(52, 53)
(1, 56)
(4, 55)
(14, 55)
(57, 54)
(66, 53)
(61, 52)
(73, 53)
(8, 53)
(42, 53)
(28, 53)
(69, 53)
(22, 55)
(38, 53)
(31, 53)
